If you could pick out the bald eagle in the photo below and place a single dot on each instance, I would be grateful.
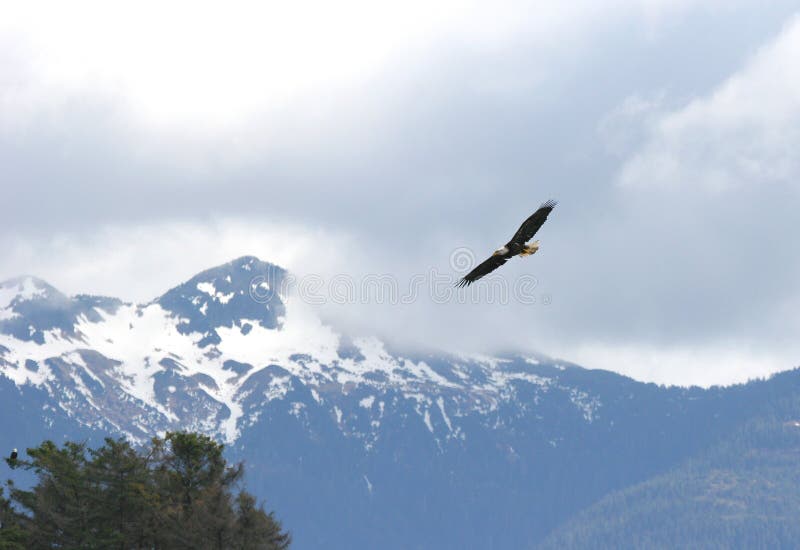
(13, 455)
(516, 246)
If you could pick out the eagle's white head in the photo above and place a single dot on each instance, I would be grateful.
(502, 251)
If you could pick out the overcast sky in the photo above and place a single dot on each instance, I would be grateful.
(139, 146)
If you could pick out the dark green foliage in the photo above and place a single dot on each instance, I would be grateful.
(254, 529)
(742, 493)
(178, 493)
(12, 536)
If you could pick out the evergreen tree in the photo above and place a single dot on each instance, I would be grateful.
(61, 503)
(194, 484)
(126, 497)
(12, 536)
(256, 529)
(179, 493)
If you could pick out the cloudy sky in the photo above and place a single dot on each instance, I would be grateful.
(140, 144)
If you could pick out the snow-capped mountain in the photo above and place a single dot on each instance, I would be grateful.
(208, 355)
(339, 431)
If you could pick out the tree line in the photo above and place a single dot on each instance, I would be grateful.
(179, 492)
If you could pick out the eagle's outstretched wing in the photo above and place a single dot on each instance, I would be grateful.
(530, 226)
(484, 268)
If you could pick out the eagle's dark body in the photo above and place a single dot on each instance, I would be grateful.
(517, 246)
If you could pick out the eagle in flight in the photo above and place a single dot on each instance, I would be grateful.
(516, 246)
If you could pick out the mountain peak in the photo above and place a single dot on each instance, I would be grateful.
(241, 271)
(244, 288)
(24, 288)
(245, 261)
(30, 307)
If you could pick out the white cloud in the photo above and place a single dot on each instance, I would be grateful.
(745, 133)
(208, 64)
(120, 131)
(139, 263)
(705, 365)
(624, 128)
(212, 65)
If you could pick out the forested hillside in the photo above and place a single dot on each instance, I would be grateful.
(742, 493)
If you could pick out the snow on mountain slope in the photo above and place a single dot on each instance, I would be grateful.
(211, 353)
